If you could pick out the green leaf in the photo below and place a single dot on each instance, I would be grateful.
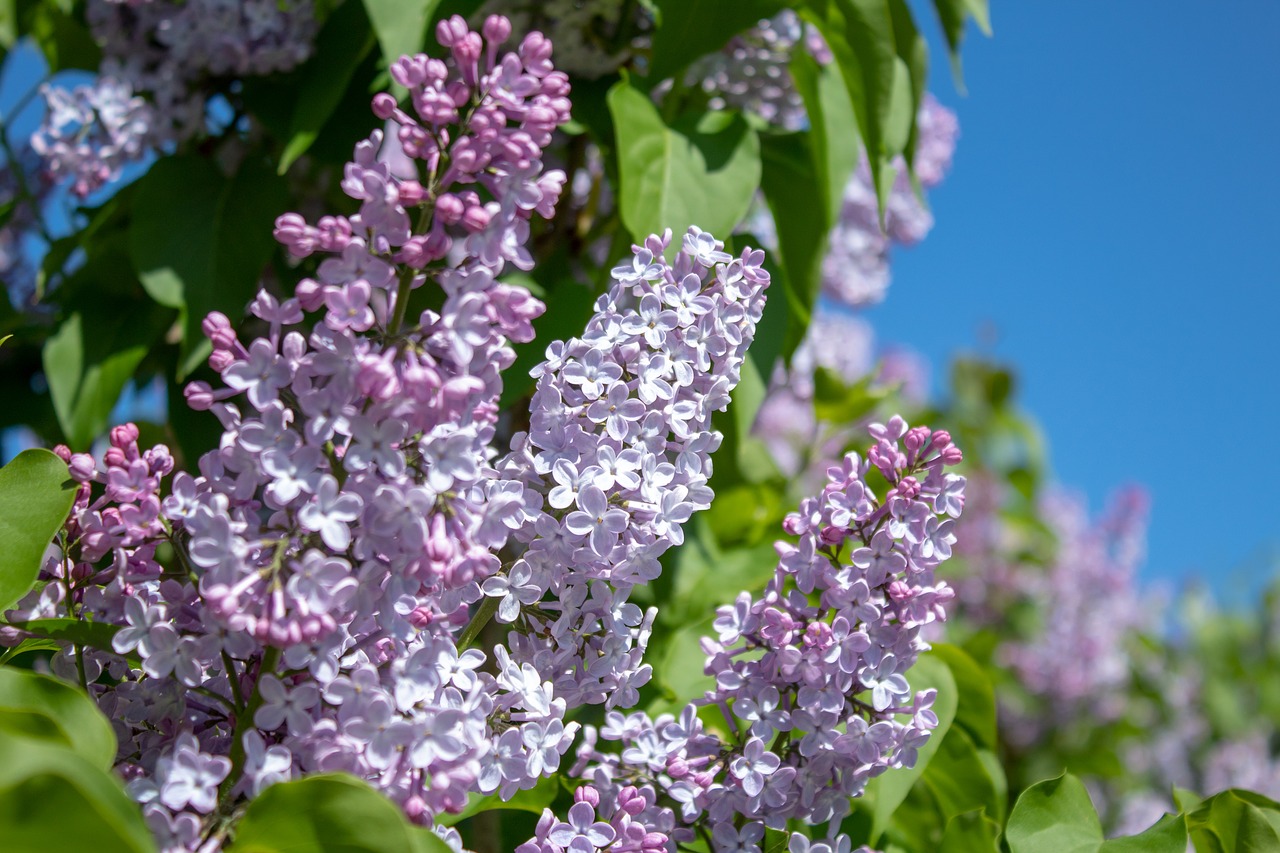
(91, 357)
(860, 36)
(703, 170)
(73, 719)
(199, 241)
(96, 635)
(326, 813)
(952, 15)
(1168, 835)
(533, 800)
(1054, 816)
(685, 30)
(790, 185)
(833, 127)
(887, 791)
(343, 43)
(400, 25)
(65, 42)
(958, 778)
(52, 799)
(36, 494)
(911, 74)
(1234, 821)
(29, 645)
(971, 832)
(837, 403)
(977, 708)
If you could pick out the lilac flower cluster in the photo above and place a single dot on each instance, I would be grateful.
(307, 600)
(809, 678)
(162, 59)
(619, 444)
(593, 37)
(1089, 608)
(752, 72)
(855, 270)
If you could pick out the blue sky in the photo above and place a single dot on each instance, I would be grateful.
(1110, 215)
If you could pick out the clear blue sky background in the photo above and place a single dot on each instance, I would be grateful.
(1111, 216)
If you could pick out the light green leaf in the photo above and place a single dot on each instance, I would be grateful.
(400, 25)
(688, 29)
(52, 799)
(96, 635)
(833, 127)
(977, 708)
(703, 170)
(65, 42)
(1168, 835)
(1054, 816)
(887, 791)
(952, 14)
(1234, 821)
(790, 185)
(69, 717)
(324, 814)
(36, 494)
(344, 41)
(533, 800)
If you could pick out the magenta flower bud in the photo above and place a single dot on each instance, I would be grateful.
(900, 591)
(941, 438)
(213, 322)
(62, 452)
(449, 208)
(654, 842)
(587, 794)
(310, 294)
(951, 455)
(82, 467)
(384, 105)
(793, 524)
(439, 544)
(450, 30)
(415, 807)
(830, 535)
(421, 617)
(908, 487)
(124, 435)
(677, 768)
(476, 219)
(497, 29)
(220, 360)
(411, 193)
(916, 438)
(630, 800)
(114, 458)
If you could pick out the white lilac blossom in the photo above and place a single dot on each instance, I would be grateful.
(162, 59)
(810, 677)
(620, 443)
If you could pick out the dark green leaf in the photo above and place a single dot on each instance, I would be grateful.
(704, 170)
(199, 241)
(860, 36)
(341, 46)
(833, 128)
(324, 814)
(790, 185)
(971, 832)
(888, 791)
(958, 779)
(689, 29)
(36, 494)
(72, 719)
(911, 73)
(837, 403)
(52, 799)
(64, 41)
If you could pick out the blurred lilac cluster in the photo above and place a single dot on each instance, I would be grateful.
(162, 60)
(24, 190)
(809, 676)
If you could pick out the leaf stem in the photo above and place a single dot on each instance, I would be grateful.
(488, 607)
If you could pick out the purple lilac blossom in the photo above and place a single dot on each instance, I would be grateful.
(161, 61)
(810, 675)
